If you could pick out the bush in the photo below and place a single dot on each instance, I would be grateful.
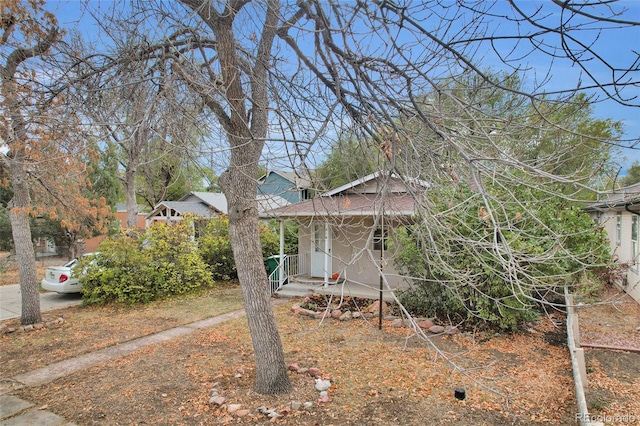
(162, 261)
(215, 247)
(496, 271)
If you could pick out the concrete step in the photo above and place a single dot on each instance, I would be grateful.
(294, 290)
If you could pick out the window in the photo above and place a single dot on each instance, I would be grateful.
(634, 241)
(379, 239)
(618, 228)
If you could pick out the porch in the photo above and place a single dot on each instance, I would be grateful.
(290, 278)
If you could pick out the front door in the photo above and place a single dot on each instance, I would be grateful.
(319, 252)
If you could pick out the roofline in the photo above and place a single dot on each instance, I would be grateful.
(368, 178)
(404, 213)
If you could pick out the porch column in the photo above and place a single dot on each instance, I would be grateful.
(281, 262)
(327, 247)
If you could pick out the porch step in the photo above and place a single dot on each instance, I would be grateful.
(302, 289)
(294, 290)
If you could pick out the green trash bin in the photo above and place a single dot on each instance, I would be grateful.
(272, 267)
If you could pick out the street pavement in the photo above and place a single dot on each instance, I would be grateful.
(11, 301)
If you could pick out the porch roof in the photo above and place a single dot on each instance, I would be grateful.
(352, 205)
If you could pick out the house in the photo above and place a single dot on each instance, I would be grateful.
(291, 186)
(618, 212)
(91, 245)
(343, 234)
(204, 205)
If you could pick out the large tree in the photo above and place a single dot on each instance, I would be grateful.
(282, 77)
(43, 160)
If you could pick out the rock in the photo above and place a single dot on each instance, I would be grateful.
(346, 316)
(28, 327)
(307, 405)
(232, 408)
(238, 376)
(397, 323)
(38, 326)
(294, 367)
(322, 385)
(274, 415)
(436, 329)
(375, 308)
(315, 372)
(356, 315)
(322, 315)
(303, 370)
(11, 330)
(217, 400)
(450, 329)
(323, 399)
(324, 393)
(425, 324)
(214, 393)
(242, 413)
(296, 405)
(336, 313)
(307, 312)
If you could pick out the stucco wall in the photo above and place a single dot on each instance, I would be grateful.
(349, 238)
(623, 251)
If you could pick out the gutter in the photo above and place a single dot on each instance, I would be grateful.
(626, 207)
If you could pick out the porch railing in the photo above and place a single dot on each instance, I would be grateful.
(292, 265)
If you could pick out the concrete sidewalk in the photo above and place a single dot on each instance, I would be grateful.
(15, 411)
(11, 301)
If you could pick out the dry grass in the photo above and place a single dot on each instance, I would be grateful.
(382, 377)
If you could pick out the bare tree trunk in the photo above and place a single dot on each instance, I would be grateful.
(25, 254)
(240, 189)
(130, 196)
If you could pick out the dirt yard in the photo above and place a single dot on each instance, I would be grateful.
(382, 377)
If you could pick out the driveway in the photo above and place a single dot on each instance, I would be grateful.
(11, 301)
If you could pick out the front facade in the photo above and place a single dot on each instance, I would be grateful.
(619, 214)
(344, 234)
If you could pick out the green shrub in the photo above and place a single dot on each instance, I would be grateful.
(160, 262)
(215, 247)
(496, 271)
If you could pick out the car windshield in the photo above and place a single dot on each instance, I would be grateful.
(71, 263)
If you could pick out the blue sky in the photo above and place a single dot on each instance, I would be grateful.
(616, 46)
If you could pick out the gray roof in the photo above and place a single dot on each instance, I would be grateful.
(617, 199)
(268, 202)
(196, 208)
(214, 199)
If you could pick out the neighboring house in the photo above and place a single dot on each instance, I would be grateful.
(204, 205)
(342, 234)
(619, 214)
(291, 186)
(91, 244)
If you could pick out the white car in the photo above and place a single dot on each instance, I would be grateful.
(58, 278)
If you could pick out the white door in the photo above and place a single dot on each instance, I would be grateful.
(319, 254)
